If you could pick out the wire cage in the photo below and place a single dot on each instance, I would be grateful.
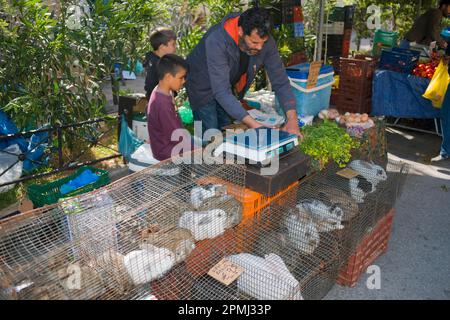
(278, 250)
(360, 201)
(310, 253)
(124, 241)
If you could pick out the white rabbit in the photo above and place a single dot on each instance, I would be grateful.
(360, 187)
(266, 278)
(204, 224)
(146, 265)
(370, 171)
(327, 217)
(200, 194)
(302, 232)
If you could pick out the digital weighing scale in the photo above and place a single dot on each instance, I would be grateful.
(259, 145)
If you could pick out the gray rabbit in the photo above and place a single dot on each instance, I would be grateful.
(327, 217)
(302, 232)
(278, 243)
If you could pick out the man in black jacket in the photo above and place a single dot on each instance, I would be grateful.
(224, 64)
(163, 41)
(427, 27)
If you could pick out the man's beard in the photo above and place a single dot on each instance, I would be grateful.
(244, 47)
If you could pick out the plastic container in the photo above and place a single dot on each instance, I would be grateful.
(252, 202)
(311, 101)
(140, 126)
(299, 29)
(49, 193)
(446, 33)
(399, 60)
(383, 39)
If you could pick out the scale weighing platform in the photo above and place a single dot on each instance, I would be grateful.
(259, 145)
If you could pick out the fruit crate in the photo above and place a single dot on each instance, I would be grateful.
(49, 193)
(399, 60)
(358, 68)
(354, 87)
(353, 104)
(369, 249)
(252, 202)
(383, 39)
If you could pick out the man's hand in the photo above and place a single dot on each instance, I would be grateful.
(252, 123)
(291, 125)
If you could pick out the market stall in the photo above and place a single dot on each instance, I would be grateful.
(224, 229)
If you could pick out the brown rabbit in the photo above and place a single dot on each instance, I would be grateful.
(178, 240)
(115, 274)
(229, 204)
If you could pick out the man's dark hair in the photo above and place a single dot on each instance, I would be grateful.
(444, 3)
(161, 36)
(170, 63)
(256, 18)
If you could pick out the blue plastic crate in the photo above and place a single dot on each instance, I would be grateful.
(399, 60)
(311, 101)
(414, 53)
(299, 29)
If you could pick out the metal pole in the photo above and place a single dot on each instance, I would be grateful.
(320, 29)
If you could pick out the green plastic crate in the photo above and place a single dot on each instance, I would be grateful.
(49, 193)
(383, 40)
(337, 15)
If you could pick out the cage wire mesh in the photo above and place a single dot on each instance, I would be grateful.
(127, 240)
(361, 201)
(158, 232)
(310, 255)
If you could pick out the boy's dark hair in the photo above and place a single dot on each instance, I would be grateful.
(256, 18)
(444, 3)
(160, 37)
(170, 63)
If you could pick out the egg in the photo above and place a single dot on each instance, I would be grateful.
(364, 117)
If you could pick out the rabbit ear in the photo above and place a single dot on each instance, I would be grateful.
(204, 220)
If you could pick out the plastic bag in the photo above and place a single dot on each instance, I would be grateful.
(85, 178)
(186, 114)
(7, 126)
(128, 142)
(438, 86)
(7, 160)
(142, 158)
(35, 152)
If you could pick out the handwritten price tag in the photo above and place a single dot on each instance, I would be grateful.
(226, 272)
(348, 173)
(314, 71)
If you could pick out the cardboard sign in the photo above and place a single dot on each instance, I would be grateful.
(348, 173)
(226, 272)
(314, 71)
